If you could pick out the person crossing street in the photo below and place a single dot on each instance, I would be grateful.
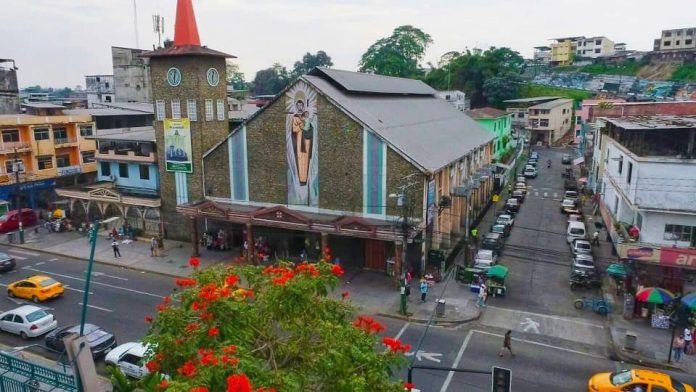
(507, 344)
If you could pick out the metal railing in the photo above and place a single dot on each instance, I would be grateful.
(11, 146)
(24, 376)
(66, 140)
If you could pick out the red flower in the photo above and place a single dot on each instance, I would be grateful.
(148, 319)
(164, 384)
(225, 292)
(188, 369)
(198, 389)
(198, 306)
(231, 280)
(231, 349)
(191, 327)
(345, 294)
(229, 360)
(208, 357)
(409, 386)
(185, 282)
(207, 316)
(238, 383)
(213, 331)
(194, 261)
(395, 345)
(152, 366)
(337, 270)
(368, 324)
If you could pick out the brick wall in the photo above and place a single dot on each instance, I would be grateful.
(397, 169)
(217, 172)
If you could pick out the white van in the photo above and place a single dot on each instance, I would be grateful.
(576, 230)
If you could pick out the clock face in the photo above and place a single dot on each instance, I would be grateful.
(213, 77)
(173, 76)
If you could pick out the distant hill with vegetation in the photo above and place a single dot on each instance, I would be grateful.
(643, 69)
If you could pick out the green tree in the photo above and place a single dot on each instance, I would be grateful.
(398, 54)
(278, 330)
(500, 88)
(271, 80)
(309, 61)
(235, 78)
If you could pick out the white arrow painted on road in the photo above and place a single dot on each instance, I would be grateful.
(530, 324)
(422, 354)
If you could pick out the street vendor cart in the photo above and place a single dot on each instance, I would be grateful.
(496, 276)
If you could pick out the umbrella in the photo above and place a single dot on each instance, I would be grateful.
(616, 270)
(654, 295)
(582, 179)
(497, 271)
(690, 300)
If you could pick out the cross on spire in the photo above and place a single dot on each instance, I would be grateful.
(185, 28)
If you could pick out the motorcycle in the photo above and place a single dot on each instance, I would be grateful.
(548, 164)
(584, 280)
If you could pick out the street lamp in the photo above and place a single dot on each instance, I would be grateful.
(15, 168)
(88, 274)
(401, 202)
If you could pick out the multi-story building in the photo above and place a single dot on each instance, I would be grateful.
(542, 54)
(42, 150)
(594, 47)
(676, 39)
(518, 109)
(619, 47)
(131, 75)
(455, 97)
(647, 190)
(9, 91)
(99, 88)
(563, 50)
(498, 123)
(549, 121)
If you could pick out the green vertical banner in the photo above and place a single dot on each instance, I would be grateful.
(177, 145)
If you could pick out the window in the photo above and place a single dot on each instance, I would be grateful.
(597, 50)
(520, 115)
(208, 110)
(578, 119)
(144, 172)
(60, 135)
(105, 169)
(677, 42)
(11, 135)
(678, 233)
(598, 42)
(668, 34)
(667, 43)
(579, 52)
(678, 33)
(108, 98)
(544, 122)
(220, 110)
(688, 42)
(13, 165)
(63, 160)
(123, 170)
(41, 134)
(45, 162)
(689, 32)
(191, 110)
(176, 109)
(630, 172)
(160, 110)
(620, 164)
(87, 156)
(86, 130)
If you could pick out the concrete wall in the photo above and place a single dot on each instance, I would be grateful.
(131, 75)
(653, 227)
(9, 92)
(618, 109)
(133, 180)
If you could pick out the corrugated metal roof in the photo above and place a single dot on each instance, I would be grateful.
(42, 105)
(186, 50)
(138, 134)
(532, 99)
(486, 112)
(552, 104)
(146, 107)
(427, 130)
(653, 122)
(369, 83)
(104, 112)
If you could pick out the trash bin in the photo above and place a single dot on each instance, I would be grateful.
(11, 237)
(631, 341)
(628, 307)
(440, 308)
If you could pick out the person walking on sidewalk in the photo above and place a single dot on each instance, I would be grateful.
(483, 293)
(678, 345)
(595, 238)
(423, 289)
(114, 245)
(507, 344)
(687, 341)
(153, 247)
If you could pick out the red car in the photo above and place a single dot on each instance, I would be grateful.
(10, 221)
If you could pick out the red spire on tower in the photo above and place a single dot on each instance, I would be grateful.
(185, 28)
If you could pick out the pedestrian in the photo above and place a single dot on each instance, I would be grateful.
(482, 295)
(678, 346)
(423, 289)
(153, 247)
(507, 340)
(595, 238)
(114, 245)
(687, 341)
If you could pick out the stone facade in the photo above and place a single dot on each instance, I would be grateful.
(217, 176)
(204, 134)
(398, 168)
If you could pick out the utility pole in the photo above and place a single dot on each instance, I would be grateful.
(88, 274)
(403, 201)
(15, 168)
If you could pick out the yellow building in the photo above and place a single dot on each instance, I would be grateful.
(43, 149)
(563, 50)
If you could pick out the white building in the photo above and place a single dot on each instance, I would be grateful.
(131, 75)
(649, 178)
(455, 97)
(99, 88)
(594, 47)
(676, 39)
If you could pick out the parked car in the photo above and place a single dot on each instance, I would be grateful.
(519, 195)
(575, 230)
(485, 259)
(10, 221)
(568, 207)
(505, 219)
(493, 242)
(534, 155)
(573, 195)
(630, 380)
(530, 172)
(27, 321)
(99, 340)
(512, 204)
(501, 229)
(582, 262)
(129, 358)
(581, 247)
(566, 159)
(36, 288)
(7, 262)
(521, 186)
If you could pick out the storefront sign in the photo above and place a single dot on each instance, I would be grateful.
(69, 170)
(639, 253)
(431, 203)
(678, 257)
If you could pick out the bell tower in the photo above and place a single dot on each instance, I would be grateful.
(191, 115)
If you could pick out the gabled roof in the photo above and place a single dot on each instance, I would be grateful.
(356, 82)
(552, 104)
(486, 113)
(532, 99)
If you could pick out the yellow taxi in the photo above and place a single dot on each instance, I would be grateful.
(36, 288)
(636, 380)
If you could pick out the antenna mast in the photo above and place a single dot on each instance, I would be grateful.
(158, 27)
(135, 23)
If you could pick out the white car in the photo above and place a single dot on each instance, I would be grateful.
(505, 219)
(485, 259)
(129, 358)
(581, 247)
(583, 262)
(530, 172)
(27, 321)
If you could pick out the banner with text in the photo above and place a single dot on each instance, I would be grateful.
(177, 144)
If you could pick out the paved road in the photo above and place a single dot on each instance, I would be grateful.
(540, 364)
(119, 298)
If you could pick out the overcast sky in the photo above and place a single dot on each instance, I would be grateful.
(56, 43)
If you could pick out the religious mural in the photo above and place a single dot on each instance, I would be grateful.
(301, 145)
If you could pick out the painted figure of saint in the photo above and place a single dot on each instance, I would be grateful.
(301, 146)
(302, 140)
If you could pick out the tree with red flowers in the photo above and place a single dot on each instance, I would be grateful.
(250, 328)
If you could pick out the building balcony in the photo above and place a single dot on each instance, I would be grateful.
(125, 156)
(11, 147)
(65, 142)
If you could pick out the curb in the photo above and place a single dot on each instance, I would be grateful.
(433, 321)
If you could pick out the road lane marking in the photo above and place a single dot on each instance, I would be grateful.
(548, 316)
(455, 365)
(96, 283)
(78, 290)
(18, 257)
(106, 275)
(24, 252)
(96, 307)
(420, 354)
(53, 259)
(40, 263)
(542, 345)
(530, 324)
(401, 332)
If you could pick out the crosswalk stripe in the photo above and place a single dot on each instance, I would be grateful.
(17, 257)
(24, 252)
